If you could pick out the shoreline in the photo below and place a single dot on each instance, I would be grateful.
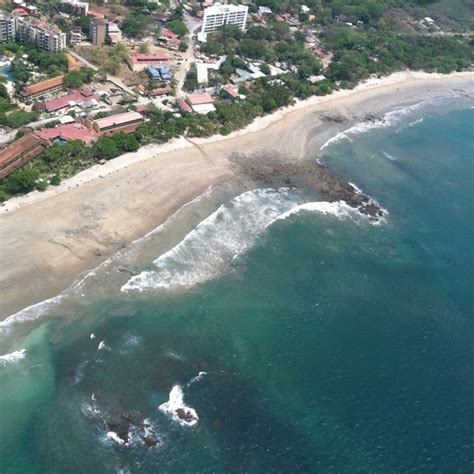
(49, 240)
(149, 151)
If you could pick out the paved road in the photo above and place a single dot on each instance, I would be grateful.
(188, 57)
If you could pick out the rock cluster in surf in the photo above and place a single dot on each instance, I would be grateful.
(275, 170)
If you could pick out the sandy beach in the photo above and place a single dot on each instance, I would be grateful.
(49, 239)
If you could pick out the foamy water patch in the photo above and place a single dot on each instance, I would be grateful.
(214, 243)
(177, 410)
(390, 119)
(12, 357)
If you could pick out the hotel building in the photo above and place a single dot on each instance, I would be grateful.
(219, 15)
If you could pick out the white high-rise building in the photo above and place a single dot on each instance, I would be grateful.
(219, 15)
(7, 27)
(45, 36)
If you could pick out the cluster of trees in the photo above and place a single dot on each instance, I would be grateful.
(358, 54)
(75, 79)
(60, 161)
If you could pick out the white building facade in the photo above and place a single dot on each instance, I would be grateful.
(219, 15)
(7, 27)
(45, 36)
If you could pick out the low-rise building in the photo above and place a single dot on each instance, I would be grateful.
(114, 33)
(16, 154)
(229, 92)
(39, 89)
(160, 73)
(140, 61)
(68, 132)
(264, 12)
(74, 7)
(76, 36)
(75, 97)
(201, 103)
(127, 122)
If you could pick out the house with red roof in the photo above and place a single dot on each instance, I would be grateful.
(230, 93)
(67, 132)
(76, 97)
(140, 61)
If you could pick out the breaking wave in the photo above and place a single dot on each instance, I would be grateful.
(390, 119)
(12, 357)
(177, 410)
(212, 245)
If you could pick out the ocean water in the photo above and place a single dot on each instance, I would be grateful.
(296, 336)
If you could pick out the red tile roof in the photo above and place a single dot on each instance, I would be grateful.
(70, 131)
(42, 86)
(76, 96)
(9, 152)
(199, 99)
(231, 91)
(148, 57)
(183, 105)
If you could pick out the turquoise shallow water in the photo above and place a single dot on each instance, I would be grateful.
(328, 344)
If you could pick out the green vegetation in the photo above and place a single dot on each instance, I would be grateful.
(61, 161)
(108, 58)
(191, 81)
(19, 118)
(75, 79)
(136, 25)
(178, 27)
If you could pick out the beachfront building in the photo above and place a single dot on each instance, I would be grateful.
(229, 92)
(39, 89)
(67, 132)
(201, 103)
(74, 7)
(219, 15)
(7, 27)
(141, 61)
(18, 153)
(127, 122)
(45, 36)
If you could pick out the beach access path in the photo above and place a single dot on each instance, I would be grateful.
(49, 239)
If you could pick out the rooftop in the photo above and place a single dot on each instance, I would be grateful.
(183, 105)
(42, 86)
(70, 131)
(16, 148)
(118, 119)
(75, 97)
(231, 91)
(199, 99)
(148, 57)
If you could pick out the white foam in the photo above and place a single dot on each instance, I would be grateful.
(389, 156)
(115, 437)
(339, 209)
(356, 188)
(175, 403)
(12, 357)
(390, 119)
(92, 336)
(215, 242)
(103, 346)
(197, 378)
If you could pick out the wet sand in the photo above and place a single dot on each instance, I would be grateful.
(49, 239)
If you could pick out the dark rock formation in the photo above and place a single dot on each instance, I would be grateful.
(273, 170)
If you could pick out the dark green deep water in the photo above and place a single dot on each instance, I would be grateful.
(329, 344)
